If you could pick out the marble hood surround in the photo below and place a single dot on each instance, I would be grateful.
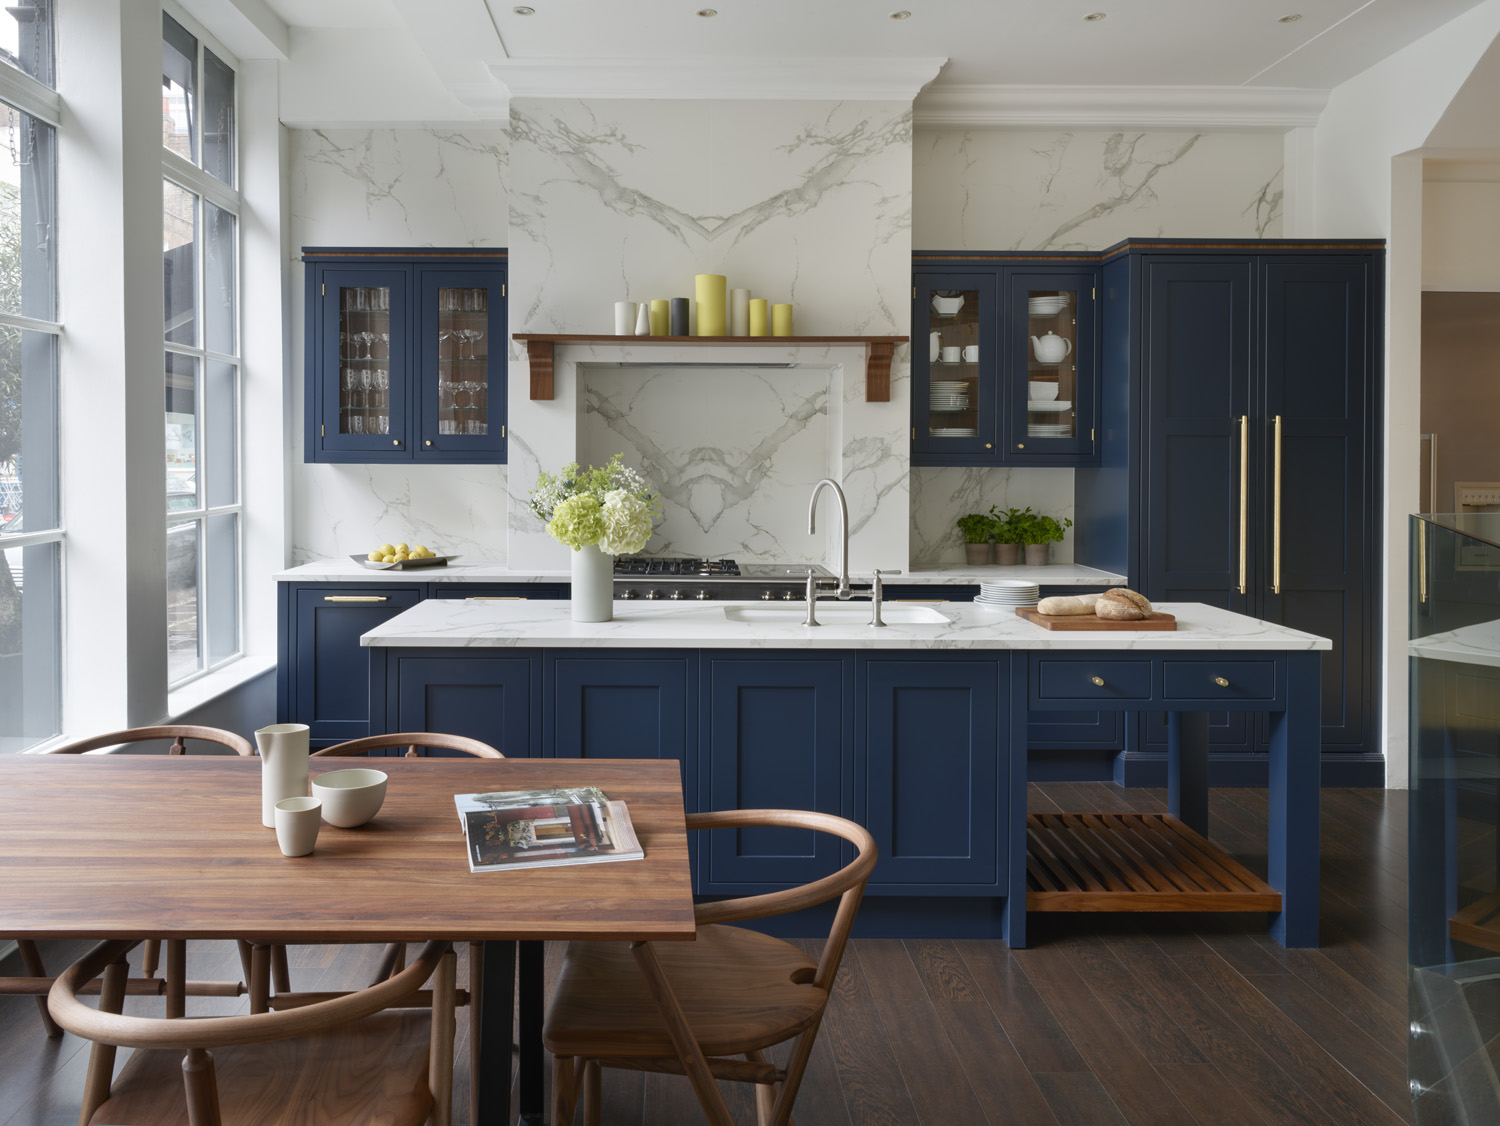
(808, 202)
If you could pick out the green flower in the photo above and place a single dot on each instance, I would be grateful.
(577, 522)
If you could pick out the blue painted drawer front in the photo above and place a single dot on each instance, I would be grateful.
(485, 698)
(927, 781)
(329, 678)
(776, 734)
(500, 591)
(1198, 680)
(1060, 679)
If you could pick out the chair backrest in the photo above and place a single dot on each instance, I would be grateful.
(848, 883)
(177, 732)
(411, 740)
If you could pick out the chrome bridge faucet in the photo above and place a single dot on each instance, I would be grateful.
(843, 592)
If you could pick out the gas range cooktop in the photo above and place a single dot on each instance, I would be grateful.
(647, 568)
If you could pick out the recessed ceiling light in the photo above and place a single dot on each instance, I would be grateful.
(1095, 16)
(1293, 18)
(903, 14)
(707, 13)
(523, 10)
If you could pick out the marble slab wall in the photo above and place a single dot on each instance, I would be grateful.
(1083, 190)
(399, 188)
(807, 202)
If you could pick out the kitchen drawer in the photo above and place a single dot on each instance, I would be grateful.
(1092, 680)
(1199, 680)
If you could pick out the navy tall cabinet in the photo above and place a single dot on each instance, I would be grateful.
(1239, 464)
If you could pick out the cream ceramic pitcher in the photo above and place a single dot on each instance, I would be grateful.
(284, 750)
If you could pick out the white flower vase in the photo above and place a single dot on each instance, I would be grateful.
(593, 585)
(284, 750)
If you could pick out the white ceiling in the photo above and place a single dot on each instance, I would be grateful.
(987, 42)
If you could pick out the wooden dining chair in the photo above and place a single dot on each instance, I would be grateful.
(36, 982)
(383, 1054)
(417, 743)
(688, 1008)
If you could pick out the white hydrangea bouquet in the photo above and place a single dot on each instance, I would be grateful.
(610, 507)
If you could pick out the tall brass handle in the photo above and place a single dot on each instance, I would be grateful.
(354, 598)
(495, 598)
(1244, 501)
(1276, 516)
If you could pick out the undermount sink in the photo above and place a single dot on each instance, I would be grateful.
(836, 613)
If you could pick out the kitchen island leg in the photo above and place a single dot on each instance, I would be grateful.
(1187, 769)
(1292, 840)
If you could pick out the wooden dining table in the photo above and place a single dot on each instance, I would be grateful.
(115, 846)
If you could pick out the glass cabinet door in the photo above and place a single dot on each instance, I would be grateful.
(1051, 400)
(363, 364)
(463, 348)
(954, 362)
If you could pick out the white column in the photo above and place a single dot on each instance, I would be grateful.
(1299, 204)
(112, 387)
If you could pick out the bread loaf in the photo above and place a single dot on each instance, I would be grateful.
(1121, 605)
(1064, 605)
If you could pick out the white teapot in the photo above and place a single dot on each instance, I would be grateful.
(1051, 349)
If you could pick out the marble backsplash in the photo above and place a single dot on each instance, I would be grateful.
(939, 496)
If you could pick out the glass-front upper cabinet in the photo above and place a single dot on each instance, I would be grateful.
(1050, 408)
(399, 356)
(954, 404)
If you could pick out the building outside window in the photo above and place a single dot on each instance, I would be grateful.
(200, 279)
(31, 524)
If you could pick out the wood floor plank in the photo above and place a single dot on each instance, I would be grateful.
(1077, 1098)
(1210, 1098)
(1005, 1089)
(1028, 1022)
(863, 1051)
(1127, 1000)
(944, 974)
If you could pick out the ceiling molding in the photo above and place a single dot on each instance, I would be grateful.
(1119, 107)
(781, 79)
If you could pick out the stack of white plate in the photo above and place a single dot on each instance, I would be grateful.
(1055, 405)
(954, 432)
(1049, 430)
(949, 395)
(1047, 306)
(1006, 594)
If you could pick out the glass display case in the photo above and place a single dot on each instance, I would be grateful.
(954, 405)
(1049, 402)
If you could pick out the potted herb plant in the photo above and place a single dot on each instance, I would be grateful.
(1008, 528)
(976, 528)
(1038, 532)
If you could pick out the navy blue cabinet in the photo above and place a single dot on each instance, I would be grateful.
(775, 733)
(405, 355)
(1241, 421)
(620, 704)
(927, 777)
(1004, 360)
(490, 698)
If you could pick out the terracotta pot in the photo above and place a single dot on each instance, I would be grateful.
(1036, 554)
(1008, 554)
(976, 553)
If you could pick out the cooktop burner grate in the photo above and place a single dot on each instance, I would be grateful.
(645, 567)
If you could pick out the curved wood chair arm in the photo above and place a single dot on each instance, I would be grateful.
(176, 732)
(209, 1032)
(847, 878)
(411, 740)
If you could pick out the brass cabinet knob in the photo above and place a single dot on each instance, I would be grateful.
(428, 442)
(395, 441)
(1221, 682)
(1020, 445)
(1098, 681)
(988, 446)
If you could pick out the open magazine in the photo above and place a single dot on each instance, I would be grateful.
(545, 828)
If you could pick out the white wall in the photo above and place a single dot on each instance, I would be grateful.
(397, 188)
(1461, 227)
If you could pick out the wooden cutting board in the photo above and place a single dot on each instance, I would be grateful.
(1156, 621)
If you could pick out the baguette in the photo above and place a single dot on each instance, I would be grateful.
(1121, 605)
(1068, 605)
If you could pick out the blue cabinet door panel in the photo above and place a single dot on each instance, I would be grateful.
(462, 380)
(621, 706)
(485, 698)
(337, 354)
(330, 682)
(777, 735)
(927, 777)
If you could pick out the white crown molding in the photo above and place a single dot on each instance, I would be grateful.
(1119, 107)
(807, 79)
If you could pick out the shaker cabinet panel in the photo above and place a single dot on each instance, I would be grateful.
(484, 698)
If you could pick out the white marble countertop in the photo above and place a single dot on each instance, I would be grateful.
(1469, 645)
(443, 623)
(348, 571)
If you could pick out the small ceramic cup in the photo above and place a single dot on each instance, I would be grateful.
(952, 353)
(971, 354)
(297, 823)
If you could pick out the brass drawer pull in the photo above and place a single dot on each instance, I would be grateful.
(1221, 682)
(354, 598)
(1097, 681)
(495, 598)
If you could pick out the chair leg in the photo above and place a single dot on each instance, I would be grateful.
(102, 1056)
(260, 978)
(765, 1093)
(150, 957)
(176, 977)
(201, 1087)
(593, 1093)
(689, 1051)
(440, 1058)
(31, 959)
(281, 974)
(243, 948)
(562, 1091)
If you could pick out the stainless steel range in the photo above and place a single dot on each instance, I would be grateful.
(704, 580)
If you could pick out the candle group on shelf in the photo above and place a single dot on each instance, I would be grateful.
(721, 312)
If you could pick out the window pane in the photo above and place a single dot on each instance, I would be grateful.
(27, 211)
(183, 658)
(221, 434)
(179, 88)
(30, 645)
(221, 585)
(218, 278)
(26, 37)
(28, 431)
(218, 118)
(178, 262)
(182, 432)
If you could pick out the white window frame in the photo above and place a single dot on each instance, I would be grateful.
(208, 188)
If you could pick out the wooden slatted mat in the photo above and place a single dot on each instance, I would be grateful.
(1134, 862)
(1478, 924)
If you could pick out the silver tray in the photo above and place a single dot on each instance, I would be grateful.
(405, 564)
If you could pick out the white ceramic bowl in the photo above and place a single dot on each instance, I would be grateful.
(1042, 390)
(948, 306)
(349, 797)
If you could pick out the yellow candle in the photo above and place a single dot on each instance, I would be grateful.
(659, 318)
(758, 316)
(781, 320)
(712, 293)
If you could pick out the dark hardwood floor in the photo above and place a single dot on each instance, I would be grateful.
(1148, 1020)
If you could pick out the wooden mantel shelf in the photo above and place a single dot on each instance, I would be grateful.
(878, 353)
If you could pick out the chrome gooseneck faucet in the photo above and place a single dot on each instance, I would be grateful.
(812, 527)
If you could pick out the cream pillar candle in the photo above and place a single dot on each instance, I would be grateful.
(758, 319)
(739, 312)
(710, 293)
(781, 320)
